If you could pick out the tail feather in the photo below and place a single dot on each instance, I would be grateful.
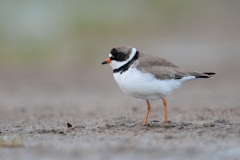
(209, 73)
(202, 75)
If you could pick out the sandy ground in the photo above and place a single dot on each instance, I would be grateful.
(36, 105)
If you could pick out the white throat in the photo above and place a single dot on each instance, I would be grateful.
(115, 65)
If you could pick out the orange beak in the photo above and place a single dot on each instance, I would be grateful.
(107, 61)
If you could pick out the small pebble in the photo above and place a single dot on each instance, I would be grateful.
(69, 125)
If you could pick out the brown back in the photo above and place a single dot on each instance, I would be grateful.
(159, 67)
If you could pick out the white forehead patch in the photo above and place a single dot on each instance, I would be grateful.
(110, 55)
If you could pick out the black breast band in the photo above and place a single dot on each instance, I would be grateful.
(127, 65)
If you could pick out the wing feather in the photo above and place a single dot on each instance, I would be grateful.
(160, 68)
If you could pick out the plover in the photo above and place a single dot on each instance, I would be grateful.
(148, 77)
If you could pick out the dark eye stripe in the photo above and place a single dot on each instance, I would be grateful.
(119, 55)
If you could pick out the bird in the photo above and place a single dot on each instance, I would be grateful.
(148, 77)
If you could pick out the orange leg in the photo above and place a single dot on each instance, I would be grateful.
(165, 110)
(148, 111)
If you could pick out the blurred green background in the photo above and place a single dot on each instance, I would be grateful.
(52, 34)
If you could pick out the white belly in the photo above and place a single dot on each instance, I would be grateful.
(144, 85)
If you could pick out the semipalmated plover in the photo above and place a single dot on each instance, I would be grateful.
(148, 77)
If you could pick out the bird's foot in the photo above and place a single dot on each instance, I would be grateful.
(167, 122)
(146, 124)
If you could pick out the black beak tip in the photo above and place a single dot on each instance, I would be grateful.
(104, 62)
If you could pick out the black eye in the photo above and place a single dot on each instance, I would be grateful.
(119, 55)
